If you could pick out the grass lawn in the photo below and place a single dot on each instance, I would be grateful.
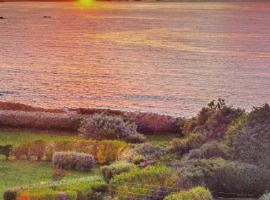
(16, 173)
(16, 137)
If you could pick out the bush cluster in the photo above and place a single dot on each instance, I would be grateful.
(114, 169)
(32, 149)
(104, 151)
(102, 126)
(73, 160)
(192, 141)
(40, 120)
(213, 120)
(151, 123)
(154, 182)
(197, 193)
(222, 177)
(251, 141)
(78, 188)
(210, 150)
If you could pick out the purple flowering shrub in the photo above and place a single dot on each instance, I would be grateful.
(73, 160)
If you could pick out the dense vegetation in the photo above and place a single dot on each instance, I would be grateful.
(221, 152)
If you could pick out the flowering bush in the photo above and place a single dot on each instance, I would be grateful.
(73, 160)
(197, 193)
(102, 126)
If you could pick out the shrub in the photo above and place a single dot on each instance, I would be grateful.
(77, 188)
(237, 125)
(225, 177)
(197, 193)
(37, 149)
(148, 152)
(265, 197)
(211, 150)
(151, 123)
(22, 150)
(109, 150)
(6, 150)
(102, 126)
(73, 160)
(251, 143)
(10, 195)
(213, 120)
(40, 120)
(136, 138)
(184, 145)
(151, 182)
(110, 171)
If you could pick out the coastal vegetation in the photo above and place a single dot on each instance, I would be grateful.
(88, 154)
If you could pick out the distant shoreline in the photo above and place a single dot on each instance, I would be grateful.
(180, 1)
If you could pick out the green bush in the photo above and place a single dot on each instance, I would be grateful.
(85, 187)
(225, 177)
(213, 120)
(211, 150)
(197, 193)
(150, 182)
(192, 141)
(251, 143)
(114, 169)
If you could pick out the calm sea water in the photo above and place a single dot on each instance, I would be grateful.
(169, 58)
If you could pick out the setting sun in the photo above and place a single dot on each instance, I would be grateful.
(85, 3)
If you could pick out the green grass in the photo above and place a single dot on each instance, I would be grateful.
(17, 173)
(16, 137)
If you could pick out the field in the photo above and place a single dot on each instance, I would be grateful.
(16, 173)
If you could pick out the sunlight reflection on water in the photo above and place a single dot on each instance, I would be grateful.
(161, 57)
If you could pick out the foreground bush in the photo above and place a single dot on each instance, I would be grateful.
(153, 182)
(114, 169)
(102, 126)
(251, 142)
(211, 150)
(225, 177)
(213, 120)
(197, 193)
(78, 188)
(265, 197)
(73, 160)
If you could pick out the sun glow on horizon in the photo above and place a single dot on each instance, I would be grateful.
(85, 3)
